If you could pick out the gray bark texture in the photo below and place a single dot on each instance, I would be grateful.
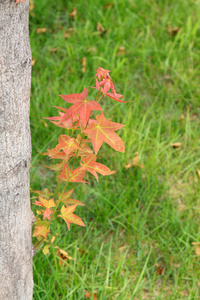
(16, 282)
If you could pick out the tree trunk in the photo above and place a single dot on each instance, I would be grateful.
(16, 281)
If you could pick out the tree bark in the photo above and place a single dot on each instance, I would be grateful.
(15, 152)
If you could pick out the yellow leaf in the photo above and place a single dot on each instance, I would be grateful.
(46, 250)
(41, 30)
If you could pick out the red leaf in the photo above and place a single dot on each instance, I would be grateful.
(80, 106)
(69, 217)
(104, 131)
(104, 90)
(90, 165)
(75, 175)
(72, 123)
(67, 144)
(102, 72)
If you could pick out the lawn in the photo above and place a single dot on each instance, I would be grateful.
(142, 223)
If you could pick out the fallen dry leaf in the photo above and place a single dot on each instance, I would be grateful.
(41, 30)
(182, 117)
(193, 117)
(33, 62)
(31, 7)
(82, 251)
(160, 270)
(173, 31)
(197, 248)
(54, 50)
(121, 50)
(95, 297)
(87, 294)
(176, 145)
(182, 207)
(70, 70)
(73, 13)
(198, 173)
(67, 33)
(100, 28)
(63, 255)
(92, 50)
(109, 5)
(83, 62)
(134, 162)
(53, 238)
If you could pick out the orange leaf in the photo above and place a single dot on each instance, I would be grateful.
(67, 144)
(56, 153)
(80, 106)
(45, 203)
(41, 231)
(75, 175)
(104, 131)
(69, 217)
(47, 214)
(17, 1)
(90, 165)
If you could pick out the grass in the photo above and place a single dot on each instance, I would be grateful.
(140, 222)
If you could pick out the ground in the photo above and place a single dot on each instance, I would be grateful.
(142, 223)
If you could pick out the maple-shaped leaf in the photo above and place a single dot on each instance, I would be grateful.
(85, 149)
(57, 167)
(69, 217)
(41, 231)
(90, 165)
(75, 175)
(45, 250)
(81, 106)
(104, 131)
(65, 198)
(47, 214)
(104, 90)
(45, 193)
(72, 123)
(44, 202)
(102, 73)
(67, 144)
(56, 153)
